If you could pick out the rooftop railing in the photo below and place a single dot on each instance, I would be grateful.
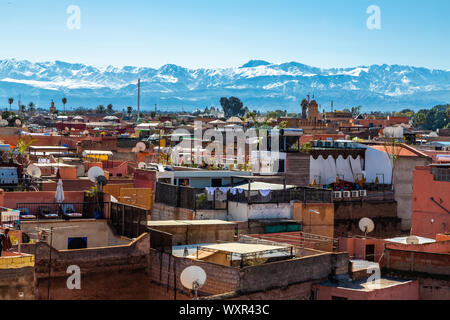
(200, 199)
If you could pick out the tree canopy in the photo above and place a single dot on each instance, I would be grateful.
(432, 119)
(232, 107)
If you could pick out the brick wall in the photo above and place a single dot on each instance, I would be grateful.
(384, 214)
(162, 212)
(219, 279)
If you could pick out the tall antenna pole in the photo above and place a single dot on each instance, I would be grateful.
(139, 99)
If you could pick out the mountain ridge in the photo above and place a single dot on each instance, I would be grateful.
(261, 85)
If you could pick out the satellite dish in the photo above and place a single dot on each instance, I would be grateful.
(142, 165)
(34, 171)
(18, 122)
(101, 180)
(412, 240)
(366, 225)
(95, 172)
(140, 147)
(193, 278)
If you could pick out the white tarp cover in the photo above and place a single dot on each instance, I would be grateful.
(315, 169)
(378, 164)
(343, 169)
(329, 172)
(356, 167)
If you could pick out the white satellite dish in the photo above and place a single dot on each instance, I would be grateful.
(18, 122)
(142, 165)
(94, 173)
(86, 132)
(366, 225)
(193, 278)
(140, 147)
(34, 171)
(412, 240)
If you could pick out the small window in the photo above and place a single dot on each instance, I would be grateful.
(77, 243)
(216, 183)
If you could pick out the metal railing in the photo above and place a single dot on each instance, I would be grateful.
(66, 210)
(200, 199)
(128, 221)
(304, 194)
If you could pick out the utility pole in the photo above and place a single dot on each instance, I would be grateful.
(139, 99)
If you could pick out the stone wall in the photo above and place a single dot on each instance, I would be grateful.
(119, 272)
(17, 283)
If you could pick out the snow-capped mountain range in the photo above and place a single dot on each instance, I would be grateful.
(259, 84)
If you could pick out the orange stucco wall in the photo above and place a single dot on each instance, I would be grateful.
(356, 247)
(10, 199)
(428, 219)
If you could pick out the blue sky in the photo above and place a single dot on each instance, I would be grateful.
(225, 33)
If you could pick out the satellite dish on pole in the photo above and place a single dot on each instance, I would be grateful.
(97, 176)
(18, 122)
(193, 278)
(412, 240)
(95, 172)
(366, 225)
(142, 165)
(140, 147)
(34, 171)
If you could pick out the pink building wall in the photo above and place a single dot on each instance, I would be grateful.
(405, 291)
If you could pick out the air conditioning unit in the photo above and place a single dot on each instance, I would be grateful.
(363, 193)
(346, 194)
(337, 195)
(355, 194)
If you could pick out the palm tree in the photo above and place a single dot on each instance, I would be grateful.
(23, 108)
(100, 109)
(110, 108)
(31, 107)
(64, 101)
(129, 110)
(10, 101)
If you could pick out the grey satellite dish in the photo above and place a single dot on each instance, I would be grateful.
(140, 147)
(412, 240)
(34, 171)
(193, 278)
(142, 165)
(95, 172)
(366, 225)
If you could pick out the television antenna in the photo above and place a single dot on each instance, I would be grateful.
(193, 278)
(366, 225)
